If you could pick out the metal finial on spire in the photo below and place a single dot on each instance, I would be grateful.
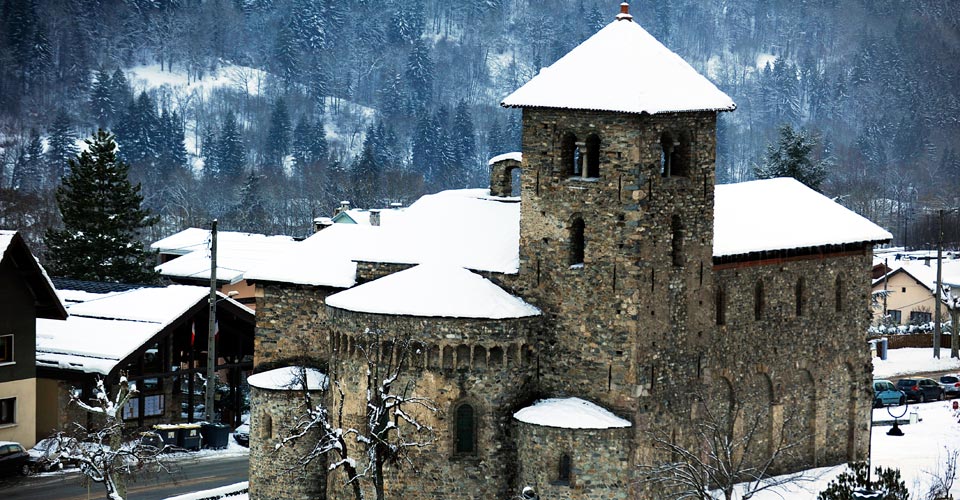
(624, 12)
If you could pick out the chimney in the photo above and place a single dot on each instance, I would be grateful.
(624, 14)
(321, 223)
(344, 206)
(374, 217)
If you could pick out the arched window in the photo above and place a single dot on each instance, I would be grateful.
(721, 304)
(798, 293)
(674, 155)
(758, 301)
(577, 241)
(838, 300)
(570, 154)
(676, 228)
(564, 473)
(465, 434)
(593, 156)
(267, 431)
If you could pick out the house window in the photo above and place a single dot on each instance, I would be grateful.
(8, 411)
(758, 301)
(676, 229)
(466, 430)
(6, 349)
(721, 304)
(895, 316)
(564, 474)
(577, 242)
(798, 292)
(920, 317)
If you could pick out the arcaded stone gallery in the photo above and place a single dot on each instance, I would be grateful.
(567, 319)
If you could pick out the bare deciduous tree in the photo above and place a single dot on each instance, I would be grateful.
(392, 424)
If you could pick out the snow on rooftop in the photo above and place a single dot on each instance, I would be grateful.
(782, 214)
(289, 378)
(302, 266)
(433, 290)
(570, 413)
(515, 156)
(103, 329)
(236, 253)
(362, 215)
(6, 236)
(621, 68)
(927, 275)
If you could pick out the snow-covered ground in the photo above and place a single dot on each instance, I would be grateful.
(913, 360)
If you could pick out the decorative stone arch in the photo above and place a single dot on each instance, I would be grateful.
(505, 177)
(803, 429)
(465, 427)
(841, 416)
(577, 240)
(496, 357)
(758, 398)
(448, 357)
(463, 357)
(433, 358)
(479, 358)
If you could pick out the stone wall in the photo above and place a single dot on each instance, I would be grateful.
(599, 460)
(290, 323)
(279, 474)
(484, 363)
(501, 180)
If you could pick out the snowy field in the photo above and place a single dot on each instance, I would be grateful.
(919, 454)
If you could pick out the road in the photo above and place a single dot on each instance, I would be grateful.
(190, 475)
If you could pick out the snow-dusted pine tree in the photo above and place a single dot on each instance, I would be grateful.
(792, 156)
(102, 220)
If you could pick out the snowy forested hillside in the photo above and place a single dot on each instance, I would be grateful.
(266, 113)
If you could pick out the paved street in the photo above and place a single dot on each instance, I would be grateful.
(189, 475)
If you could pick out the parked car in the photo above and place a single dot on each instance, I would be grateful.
(45, 456)
(242, 434)
(14, 459)
(887, 394)
(951, 385)
(920, 389)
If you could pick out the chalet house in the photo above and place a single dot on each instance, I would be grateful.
(156, 335)
(27, 294)
(910, 287)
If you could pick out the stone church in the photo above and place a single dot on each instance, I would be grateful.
(608, 296)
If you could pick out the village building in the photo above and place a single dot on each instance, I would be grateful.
(908, 292)
(614, 294)
(28, 296)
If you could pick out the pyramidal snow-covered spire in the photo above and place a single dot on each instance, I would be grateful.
(621, 68)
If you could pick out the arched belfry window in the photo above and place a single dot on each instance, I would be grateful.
(758, 301)
(570, 155)
(674, 155)
(563, 476)
(592, 156)
(577, 241)
(676, 239)
(465, 432)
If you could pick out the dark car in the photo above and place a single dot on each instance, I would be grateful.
(920, 389)
(14, 459)
(242, 434)
(951, 385)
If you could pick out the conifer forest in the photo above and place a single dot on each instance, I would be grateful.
(266, 113)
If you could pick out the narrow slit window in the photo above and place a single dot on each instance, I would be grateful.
(466, 430)
(798, 292)
(676, 228)
(565, 469)
(577, 242)
(758, 301)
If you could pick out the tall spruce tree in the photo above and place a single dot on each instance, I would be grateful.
(102, 220)
(792, 156)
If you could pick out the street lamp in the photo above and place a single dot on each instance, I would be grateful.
(211, 328)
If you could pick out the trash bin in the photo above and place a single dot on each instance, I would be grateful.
(188, 436)
(215, 436)
(882, 348)
(167, 433)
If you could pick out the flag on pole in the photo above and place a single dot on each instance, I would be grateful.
(193, 333)
(216, 330)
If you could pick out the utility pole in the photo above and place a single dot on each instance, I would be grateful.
(936, 305)
(211, 328)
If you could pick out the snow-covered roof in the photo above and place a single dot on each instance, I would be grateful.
(926, 275)
(236, 253)
(465, 228)
(433, 290)
(103, 329)
(515, 156)
(570, 413)
(362, 216)
(783, 214)
(621, 68)
(48, 303)
(289, 378)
